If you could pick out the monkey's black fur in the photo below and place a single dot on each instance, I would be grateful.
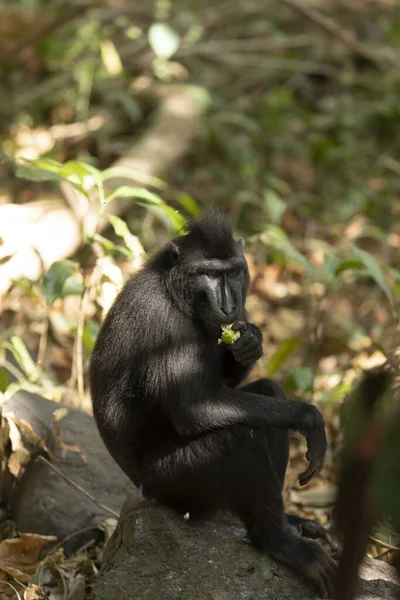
(168, 408)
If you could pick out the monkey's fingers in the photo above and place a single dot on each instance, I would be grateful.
(314, 530)
(240, 326)
(315, 466)
(305, 477)
(322, 572)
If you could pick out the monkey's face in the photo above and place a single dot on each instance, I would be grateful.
(208, 280)
(220, 291)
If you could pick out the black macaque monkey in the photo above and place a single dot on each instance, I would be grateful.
(168, 407)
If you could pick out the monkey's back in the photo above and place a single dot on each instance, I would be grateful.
(129, 374)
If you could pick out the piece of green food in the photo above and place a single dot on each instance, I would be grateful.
(228, 336)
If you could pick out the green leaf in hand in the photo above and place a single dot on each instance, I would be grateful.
(228, 336)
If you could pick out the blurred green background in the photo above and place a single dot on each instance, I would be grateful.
(295, 112)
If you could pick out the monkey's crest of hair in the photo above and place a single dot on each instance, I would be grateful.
(212, 234)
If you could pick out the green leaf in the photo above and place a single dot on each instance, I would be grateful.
(275, 206)
(59, 281)
(337, 394)
(36, 174)
(80, 174)
(347, 265)
(276, 238)
(89, 335)
(395, 273)
(190, 205)
(122, 230)
(300, 378)
(374, 270)
(134, 175)
(163, 40)
(107, 244)
(72, 287)
(128, 191)
(4, 380)
(21, 354)
(148, 199)
(83, 176)
(281, 354)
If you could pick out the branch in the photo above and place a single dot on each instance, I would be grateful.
(78, 487)
(334, 30)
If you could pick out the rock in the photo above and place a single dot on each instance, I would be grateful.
(44, 502)
(155, 554)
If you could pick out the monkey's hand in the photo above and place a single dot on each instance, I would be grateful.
(313, 428)
(248, 348)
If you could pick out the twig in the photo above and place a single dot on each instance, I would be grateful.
(383, 544)
(333, 29)
(15, 589)
(385, 553)
(59, 544)
(13, 370)
(243, 45)
(78, 487)
(267, 62)
(43, 341)
(79, 347)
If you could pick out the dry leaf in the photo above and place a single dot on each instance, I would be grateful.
(35, 592)
(20, 455)
(28, 430)
(19, 556)
(65, 448)
(59, 414)
(19, 428)
(108, 526)
(4, 434)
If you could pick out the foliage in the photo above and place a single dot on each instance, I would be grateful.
(300, 148)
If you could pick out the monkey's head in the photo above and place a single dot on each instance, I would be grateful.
(206, 272)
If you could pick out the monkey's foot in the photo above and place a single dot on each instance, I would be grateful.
(321, 571)
(306, 556)
(313, 530)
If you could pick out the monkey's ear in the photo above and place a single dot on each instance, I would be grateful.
(240, 241)
(172, 254)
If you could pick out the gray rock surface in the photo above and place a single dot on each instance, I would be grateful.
(45, 503)
(156, 555)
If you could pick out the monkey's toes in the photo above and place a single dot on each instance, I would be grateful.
(322, 572)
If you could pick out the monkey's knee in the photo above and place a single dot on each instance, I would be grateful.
(266, 387)
(272, 388)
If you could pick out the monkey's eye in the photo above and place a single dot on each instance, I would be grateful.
(213, 274)
(233, 273)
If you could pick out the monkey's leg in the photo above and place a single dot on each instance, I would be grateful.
(258, 502)
(278, 443)
(231, 468)
(277, 439)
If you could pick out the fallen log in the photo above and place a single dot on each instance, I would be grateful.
(35, 234)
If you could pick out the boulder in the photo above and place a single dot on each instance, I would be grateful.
(156, 554)
(46, 504)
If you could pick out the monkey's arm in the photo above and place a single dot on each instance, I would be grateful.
(195, 403)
